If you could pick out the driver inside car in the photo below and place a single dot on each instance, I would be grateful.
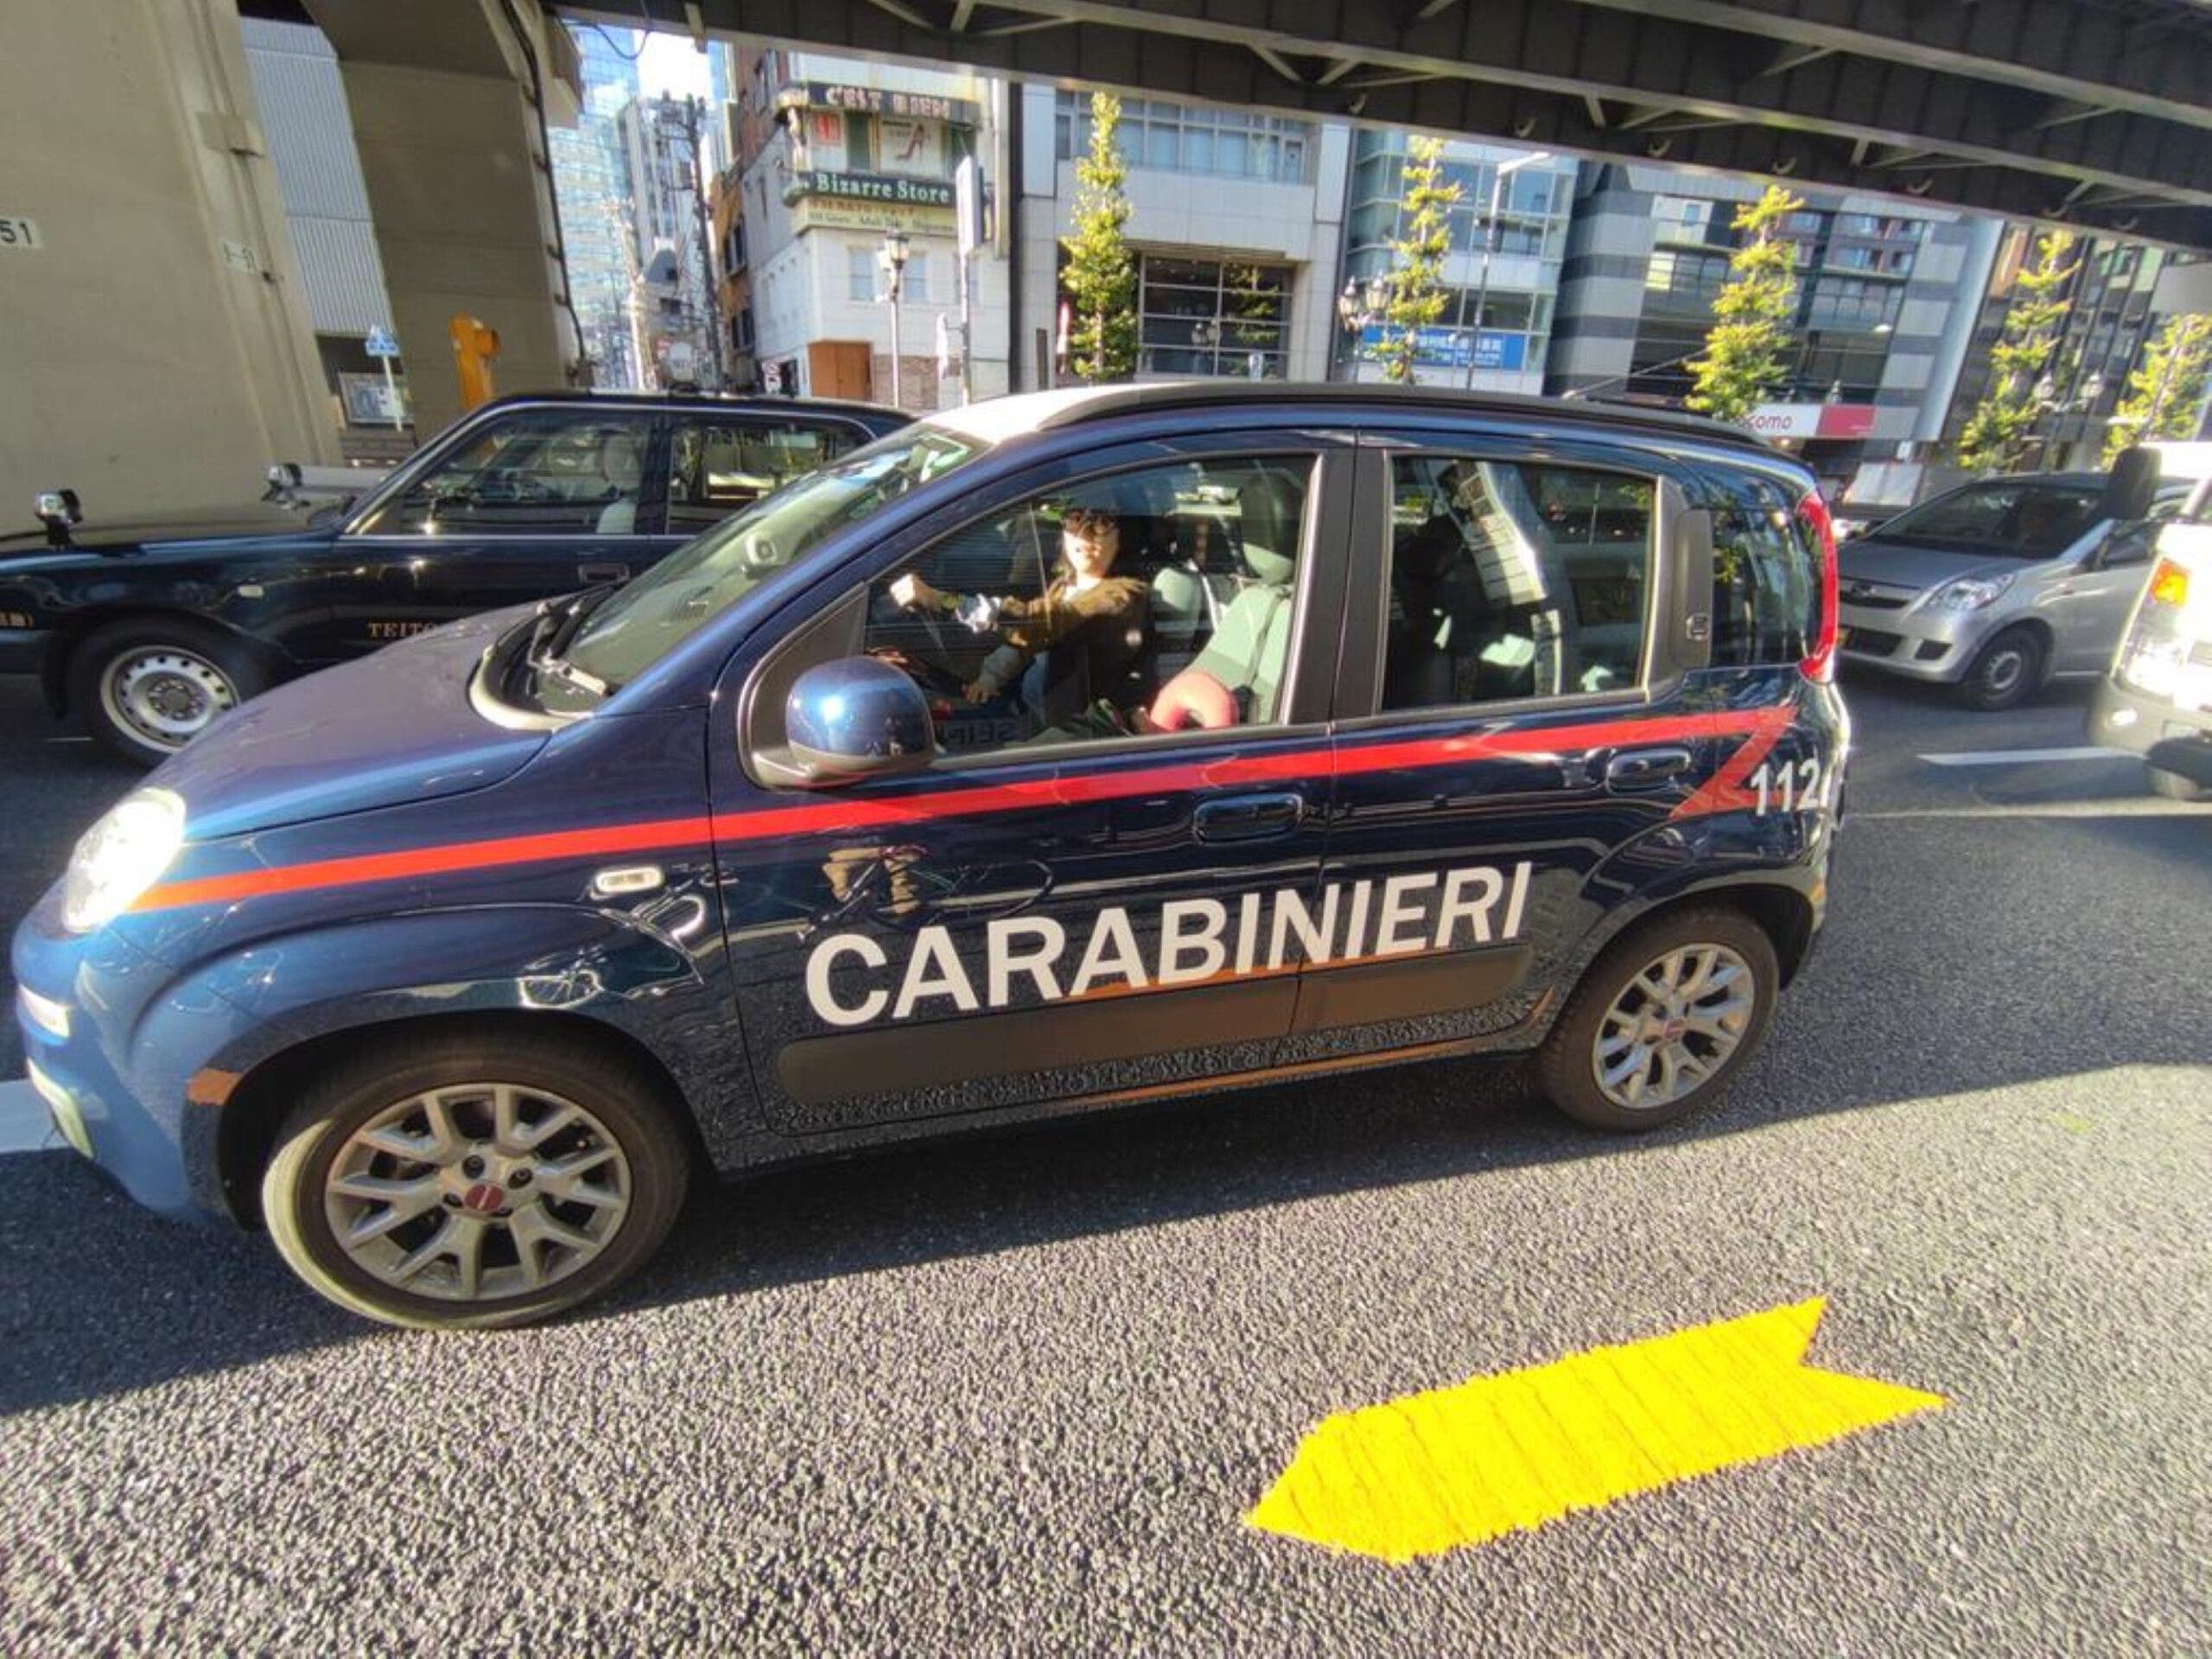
(1086, 631)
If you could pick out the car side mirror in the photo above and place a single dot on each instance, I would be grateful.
(856, 718)
(2130, 486)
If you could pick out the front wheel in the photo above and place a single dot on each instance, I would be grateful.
(2005, 670)
(146, 686)
(473, 1182)
(1662, 1020)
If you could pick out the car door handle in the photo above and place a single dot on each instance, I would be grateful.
(1248, 817)
(595, 574)
(1639, 767)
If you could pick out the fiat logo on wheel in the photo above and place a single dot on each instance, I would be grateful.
(484, 1197)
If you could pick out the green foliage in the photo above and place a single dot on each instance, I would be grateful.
(1745, 357)
(2167, 388)
(1415, 282)
(1995, 438)
(1100, 277)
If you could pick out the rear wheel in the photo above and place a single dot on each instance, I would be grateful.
(1662, 1020)
(474, 1181)
(2174, 786)
(2006, 671)
(146, 686)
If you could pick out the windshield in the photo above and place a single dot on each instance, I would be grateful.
(697, 582)
(2005, 517)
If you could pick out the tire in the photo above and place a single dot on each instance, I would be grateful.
(2006, 671)
(146, 686)
(1595, 1027)
(591, 1154)
(2173, 786)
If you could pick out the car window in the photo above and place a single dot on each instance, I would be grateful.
(566, 470)
(1766, 573)
(1158, 600)
(2002, 516)
(1513, 581)
(718, 464)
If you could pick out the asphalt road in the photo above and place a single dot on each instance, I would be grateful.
(1016, 1395)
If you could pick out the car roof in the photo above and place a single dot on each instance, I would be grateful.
(1040, 411)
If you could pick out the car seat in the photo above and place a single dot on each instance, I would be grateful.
(1238, 675)
(623, 465)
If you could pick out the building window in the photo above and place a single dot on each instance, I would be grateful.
(915, 289)
(1183, 138)
(1204, 316)
(859, 275)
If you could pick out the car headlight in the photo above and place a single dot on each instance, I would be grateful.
(121, 856)
(1968, 593)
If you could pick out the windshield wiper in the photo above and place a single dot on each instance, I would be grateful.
(550, 631)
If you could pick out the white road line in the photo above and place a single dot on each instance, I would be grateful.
(25, 1124)
(2020, 757)
(2145, 808)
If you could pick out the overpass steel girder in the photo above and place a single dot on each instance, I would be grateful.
(1876, 96)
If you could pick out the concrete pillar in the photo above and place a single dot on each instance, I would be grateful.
(155, 352)
(445, 98)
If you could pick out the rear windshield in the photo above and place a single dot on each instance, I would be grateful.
(2004, 517)
(707, 576)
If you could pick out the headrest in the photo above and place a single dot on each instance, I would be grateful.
(1268, 508)
(620, 460)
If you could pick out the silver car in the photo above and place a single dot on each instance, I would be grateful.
(2001, 585)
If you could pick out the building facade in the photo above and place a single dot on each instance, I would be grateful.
(301, 103)
(592, 186)
(834, 157)
(1236, 219)
(663, 143)
(1508, 232)
(1884, 297)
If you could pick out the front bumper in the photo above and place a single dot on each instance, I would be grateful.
(1936, 647)
(2170, 737)
(76, 1005)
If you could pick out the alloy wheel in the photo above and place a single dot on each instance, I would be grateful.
(1674, 1026)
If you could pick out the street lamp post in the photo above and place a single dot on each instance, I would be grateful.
(1205, 334)
(1490, 246)
(1359, 311)
(893, 258)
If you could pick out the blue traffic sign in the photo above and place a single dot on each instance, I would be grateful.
(380, 343)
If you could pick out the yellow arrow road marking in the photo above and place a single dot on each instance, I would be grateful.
(1431, 1471)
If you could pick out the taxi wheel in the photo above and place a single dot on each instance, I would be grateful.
(2006, 671)
(1662, 1020)
(148, 686)
(473, 1181)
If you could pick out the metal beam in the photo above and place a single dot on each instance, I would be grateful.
(1187, 48)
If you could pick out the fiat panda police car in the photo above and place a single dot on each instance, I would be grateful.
(1068, 750)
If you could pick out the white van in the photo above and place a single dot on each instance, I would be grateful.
(2157, 700)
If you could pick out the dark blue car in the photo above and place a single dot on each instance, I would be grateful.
(1067, 751)
(148, 632)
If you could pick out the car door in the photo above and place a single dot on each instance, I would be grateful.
(1518, 707)
(1047, 912)
(531, 501)
(2088, 602)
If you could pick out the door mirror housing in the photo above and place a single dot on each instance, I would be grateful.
(2130, 485)
(856, 718)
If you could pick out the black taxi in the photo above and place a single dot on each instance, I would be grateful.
(1062, 752)
(150, 631)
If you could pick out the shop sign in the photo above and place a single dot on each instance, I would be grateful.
(915, 149)
(830, 213)
(1797, 420)
(870, 187)
(870, 100)
(1458, 348)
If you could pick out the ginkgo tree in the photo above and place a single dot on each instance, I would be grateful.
(1100, 277)
(1415, 282)
(2166, 391)
(1746, 359)
(1996, 436)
